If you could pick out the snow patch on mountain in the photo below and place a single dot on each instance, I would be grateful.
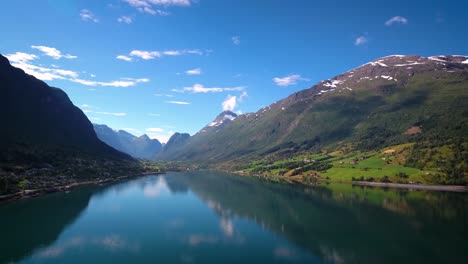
(332, 83)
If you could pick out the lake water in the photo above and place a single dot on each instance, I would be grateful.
(211, 217)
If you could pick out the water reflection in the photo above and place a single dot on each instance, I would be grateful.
(29, 224)
(154, 189)
(111, 242)
(342, 223)
(208, 217)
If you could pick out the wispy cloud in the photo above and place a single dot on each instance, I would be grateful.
(111, 113)
(150, 55)
(23, 61)
(87, 110)
(123, 57)
(166, 95)
(396, 20)
(178, 102)
(125, 19)
(146, 55)
(21, 57)
(236, 40)
(123, 82)
(199, 88)
(88, 16)
(360, 41)
(196, 71)
(288, 80)
(148, 6)
(154, 129)
(172, 2)
(53, 52)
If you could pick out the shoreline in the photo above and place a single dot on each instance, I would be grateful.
(63, 188)
(440, 188)
(443, 188)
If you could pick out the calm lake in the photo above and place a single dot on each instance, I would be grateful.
(211, 217)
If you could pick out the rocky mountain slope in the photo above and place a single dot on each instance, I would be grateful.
(393, 100)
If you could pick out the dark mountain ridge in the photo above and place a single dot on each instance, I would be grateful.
(45, 140)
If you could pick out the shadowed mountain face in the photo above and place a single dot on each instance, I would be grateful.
(32, 113)
(47, 141)
(375, 105)
(139, 147)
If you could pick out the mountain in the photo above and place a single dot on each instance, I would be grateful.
(139, 147)
(44, 136)
(220, 121)
(174, 145)
(393, 100)
(177, 143)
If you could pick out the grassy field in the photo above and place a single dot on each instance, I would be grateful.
(386, 165)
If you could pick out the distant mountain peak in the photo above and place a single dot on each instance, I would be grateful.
(220, 121)
(223, 118)
(139, 147)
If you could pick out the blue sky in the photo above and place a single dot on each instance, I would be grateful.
(164, 66)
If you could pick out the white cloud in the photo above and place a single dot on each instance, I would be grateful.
(66, 73)
(166, 95)
(88, 16)
(178, 102)
(154, 129)
(149, 55)
(242, 96)
(199, 88)
(125, 19)
(230, 103)
(137, 80)
(236, 40)
(88, 109)
(172, 52)
(123, 57)
(124, 82)
(110, 113)
(53, 52)
(146, 55)
(171, 2)
(397, 20)
(288, 80)
(360, 41)
(196, 71)
(147, 6)
(22, 60)
(21, 57)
